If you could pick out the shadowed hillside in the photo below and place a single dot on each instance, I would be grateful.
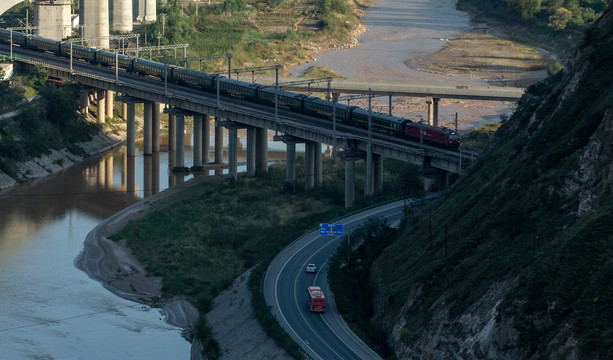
(517, 261)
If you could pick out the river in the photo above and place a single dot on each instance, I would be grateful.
(51, 310)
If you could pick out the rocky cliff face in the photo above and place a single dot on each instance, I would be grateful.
(528, 266)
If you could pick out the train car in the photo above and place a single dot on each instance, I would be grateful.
(318, 107)
(19, 38)
(285, 99)
(78, 52)
(151, 68)
(193, 78)
(237, 88)
(42, 44)
(380, 122)
(432, 135)
(107, 58)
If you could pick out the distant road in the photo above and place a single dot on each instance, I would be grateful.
(323, 336)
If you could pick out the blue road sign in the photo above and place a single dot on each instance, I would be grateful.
(330, 229)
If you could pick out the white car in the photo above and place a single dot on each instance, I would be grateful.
(311, 268)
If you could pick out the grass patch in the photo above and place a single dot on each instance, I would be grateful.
(211, 233)
(321, 72)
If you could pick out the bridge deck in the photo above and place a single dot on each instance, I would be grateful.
(470, 92)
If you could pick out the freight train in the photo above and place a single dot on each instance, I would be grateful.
(301, 103)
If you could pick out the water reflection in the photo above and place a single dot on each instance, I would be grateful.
(50, 309)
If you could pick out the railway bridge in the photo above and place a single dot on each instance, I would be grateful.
(350, 143)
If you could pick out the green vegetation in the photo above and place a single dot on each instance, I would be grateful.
(255, 32)
(48, 123)
(558, 24)
(512, 220)
(480, 137)
(213, 232)
(556, 14)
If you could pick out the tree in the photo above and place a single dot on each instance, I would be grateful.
(527, 8)
(559, 19)
(38, 77)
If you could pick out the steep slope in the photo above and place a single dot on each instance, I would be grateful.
(516, 261)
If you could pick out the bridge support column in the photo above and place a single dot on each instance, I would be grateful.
(251, 152)
(101, 110)
(378, 169)
(433, 111)
(147, 124)
(172, 127)
(233, 152)
(206, 141)
(218, 141)
(290, 166)
(109, 103)
(180, 140)
(317, 165)
(198, 140)
(309, 165)
(261, 150)
(124, 111)
(368, 172)
(84, 102)
(155, 125)
(349, 182)
(434, 179)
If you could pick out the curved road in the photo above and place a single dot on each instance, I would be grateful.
(322, 336)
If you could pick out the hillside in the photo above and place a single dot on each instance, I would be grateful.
(516, 261)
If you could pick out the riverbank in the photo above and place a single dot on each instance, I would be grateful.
(58, 160)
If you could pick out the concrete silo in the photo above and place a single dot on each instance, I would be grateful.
(94, 17)
(52, 17)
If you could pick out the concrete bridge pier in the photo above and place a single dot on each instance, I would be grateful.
(251, 152)
(368, 172)
(197, 140)
(434, 179)
(350, 156)
(84, 102)
(233, 151)
(206, 138)
(131, 130)
(290, 159)
(218, 141)
(309, 165)
(180, 140)
(378, 173)
(101, 109)
(172, 120)
(148, 127)
(317, 167)
(433, 111)
(261, 150)
(155, 124)
(109, 103)
(312, 165)
(124, 110)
